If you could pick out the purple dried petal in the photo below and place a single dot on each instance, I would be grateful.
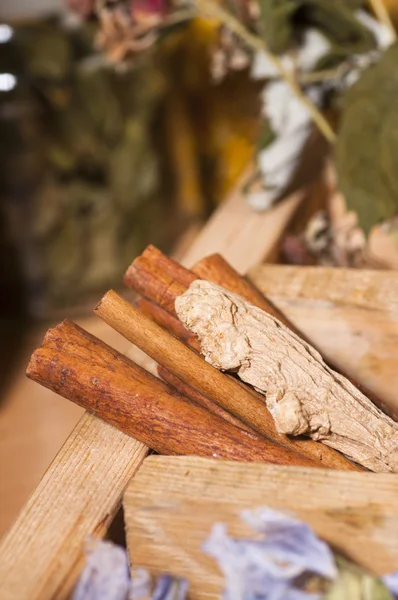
(266, 569)
(140, 585)
(106, 577)
(291, 541)
(106, 574)
(391, 582)
(169, 588)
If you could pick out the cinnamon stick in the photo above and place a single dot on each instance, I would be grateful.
(168, 322)
(197, 398)
(192, 369)
(158, 278)
(163, 318)
(83, 369)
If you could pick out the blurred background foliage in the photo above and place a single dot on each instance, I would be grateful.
(100, 157)
(97, 160)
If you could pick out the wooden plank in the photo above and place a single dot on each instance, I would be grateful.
(73, 502)
(78, 495)
(173, 502)
(243, 236)
(350, 315)
(34, 423)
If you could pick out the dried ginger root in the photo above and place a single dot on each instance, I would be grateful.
(304, 396)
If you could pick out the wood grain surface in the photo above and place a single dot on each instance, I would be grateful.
(243, 236)
(44, 547)
(173, 502)
(34, 422)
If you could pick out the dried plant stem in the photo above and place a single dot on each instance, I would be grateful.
(212, 10)
(383, 16)
(325, 74)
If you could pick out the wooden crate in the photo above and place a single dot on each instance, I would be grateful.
(82, 489)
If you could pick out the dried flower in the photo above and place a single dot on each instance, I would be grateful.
(106, 576)
(120, 36)
(269, 568)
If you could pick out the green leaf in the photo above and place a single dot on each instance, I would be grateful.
(355, 584)
(281, 19)
(95, 89)
(338, 22)
(276, 23)
(367, 145)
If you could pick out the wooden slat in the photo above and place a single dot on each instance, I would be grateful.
(34, 423)
(350, 315)
(173, 502)
(243, 236)
(78, 495)
(370, 289)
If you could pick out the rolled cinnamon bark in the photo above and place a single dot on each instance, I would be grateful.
(83, 369)
(193, 370)
(158, 278)
(198, 398)
(163, 318)
(168, 322)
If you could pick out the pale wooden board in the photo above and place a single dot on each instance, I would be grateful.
(89, 497)
(34, 422)
(173, 502)
(243, 236)
(46, 541)
(350, 315)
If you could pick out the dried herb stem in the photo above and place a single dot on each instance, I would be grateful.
(212, 10)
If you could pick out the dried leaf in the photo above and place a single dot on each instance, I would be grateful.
(367, 147)
(335, 19)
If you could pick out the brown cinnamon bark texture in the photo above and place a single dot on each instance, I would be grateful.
(304, 395)
(164, 319)
(197, 398)
(83, 369)
(158, 278)
(193, 370)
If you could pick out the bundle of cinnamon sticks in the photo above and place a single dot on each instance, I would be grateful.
(192, 408)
